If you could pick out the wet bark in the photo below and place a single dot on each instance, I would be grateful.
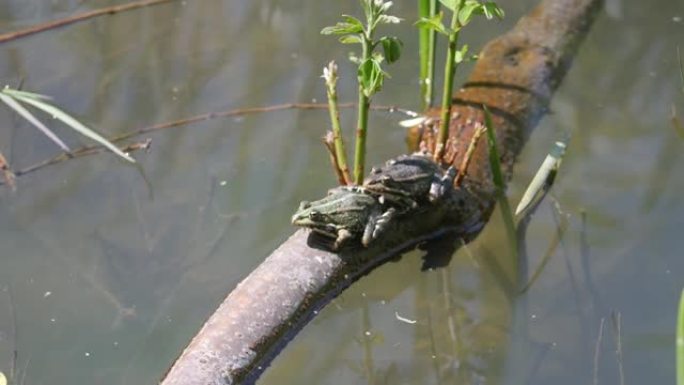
(515, 77)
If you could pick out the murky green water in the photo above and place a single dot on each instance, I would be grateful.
(108, 277)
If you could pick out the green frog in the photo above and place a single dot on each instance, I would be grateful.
(345, 214)
(409, 179)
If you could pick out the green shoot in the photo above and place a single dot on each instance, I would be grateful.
(680, 341)
(497, 175)
(370, 74)
(427, 9)
(462, 14)
(330, 76)
(543, 179)
(12, 98)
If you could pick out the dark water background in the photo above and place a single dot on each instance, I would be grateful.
(109, 278)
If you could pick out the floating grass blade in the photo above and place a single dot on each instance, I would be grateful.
(680, 341)
(9, 100)
(68, 120)
(497, 175)
(543, 179)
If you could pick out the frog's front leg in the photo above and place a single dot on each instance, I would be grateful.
(377, 224)
(441, 186)
(343, 235)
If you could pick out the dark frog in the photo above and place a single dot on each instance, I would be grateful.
(345, 214)
(409, 179)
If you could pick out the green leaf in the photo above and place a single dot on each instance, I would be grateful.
(364, 74)
(543, 179)
(371, 76)
(387, 19)
(391, 46)
(342, 29)
(451, 4)
(491, 10)
(461, 54)
(469, 9)
(26, 114)
(353, 21)
(384, 6)
(351, 39)
(75, 124)
(434, 23)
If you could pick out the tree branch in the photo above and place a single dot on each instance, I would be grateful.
(265, 310)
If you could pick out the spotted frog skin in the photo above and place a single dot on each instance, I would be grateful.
(345, 214)
(408, 180)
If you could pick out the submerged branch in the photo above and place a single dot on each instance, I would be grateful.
(5, 37)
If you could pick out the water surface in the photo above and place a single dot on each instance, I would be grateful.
(108, 276)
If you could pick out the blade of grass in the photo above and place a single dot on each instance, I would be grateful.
(543, 179)
(680, 341)
(32, 95)
(9, 100)
(73, 123)
(497, 175)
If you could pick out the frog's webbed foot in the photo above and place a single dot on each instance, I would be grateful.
(377, 225)
(440, 187)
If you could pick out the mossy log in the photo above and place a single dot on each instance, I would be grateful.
(515, 78)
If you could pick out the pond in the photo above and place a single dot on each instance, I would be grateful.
(106, 272)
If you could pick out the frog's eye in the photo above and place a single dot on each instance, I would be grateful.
(303, 205)
(375, 170)
(315, 215)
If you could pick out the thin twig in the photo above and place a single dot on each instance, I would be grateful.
(7, 173)
(616, 319)
(81, 152)
(468, 155)
(77, 18)
(597, 350)
(90, 150)
(674, 119)
(329, 142)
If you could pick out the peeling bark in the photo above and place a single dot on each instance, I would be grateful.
(515, 77)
